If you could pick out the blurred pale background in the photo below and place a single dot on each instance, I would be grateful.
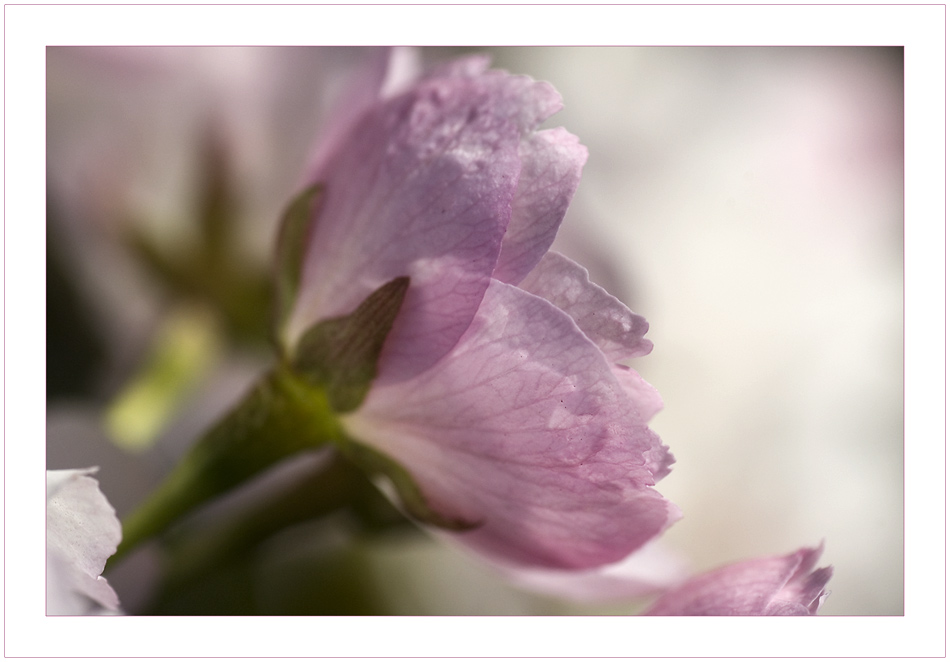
(750, 200)
(747, 202)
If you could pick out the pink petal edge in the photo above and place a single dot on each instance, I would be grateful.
(771, 586)
(602, 317)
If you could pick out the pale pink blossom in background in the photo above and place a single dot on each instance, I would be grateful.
(127, 126)
(82, 532)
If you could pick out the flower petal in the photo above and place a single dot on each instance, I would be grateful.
(523, 427)
(551, 170)
(422, 187)
(774, 586)
(71, 592)
(602, 317)
(806, 589)
(644, 396)
(647, 402)
(82, 532)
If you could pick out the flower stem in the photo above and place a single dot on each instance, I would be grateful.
(280, 417)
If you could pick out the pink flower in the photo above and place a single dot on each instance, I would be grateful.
(498, 388)
(81, 534)
(774, 586)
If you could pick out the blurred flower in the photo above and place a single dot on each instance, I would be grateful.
(82, 531)
(128, 128)
(775, 586)
(168, 168)
(167, 171)
(498, 388)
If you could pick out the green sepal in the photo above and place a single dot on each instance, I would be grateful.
(413, 500)
(341, 354)
(203, 260)
(291, 249)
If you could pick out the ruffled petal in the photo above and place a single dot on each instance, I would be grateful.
(647, 402)
(82, 532)
(524, 428)
(551, 170)
(646, 398)
(602, 317)
(422, 187)
(774, 586)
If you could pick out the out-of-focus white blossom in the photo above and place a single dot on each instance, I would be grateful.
(82, 532)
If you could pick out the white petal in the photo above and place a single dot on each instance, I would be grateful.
(82, 532)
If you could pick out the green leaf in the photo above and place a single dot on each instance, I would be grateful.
(291, 247)
(413, 500)
(341, 354)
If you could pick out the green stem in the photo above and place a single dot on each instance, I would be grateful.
(280, 417)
